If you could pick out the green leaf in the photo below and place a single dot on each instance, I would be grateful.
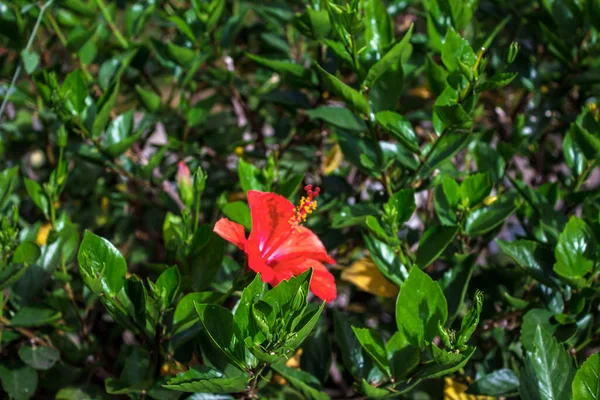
(39, 357)
(250, 177)
(487, 218)
(455, 283)
(105, 105)
(489, 160)
(119, 134)
(575, 252)
(27, 252)
(75, 90)
(19, 382)
(456, 49)
(218, 323)
(387, 261)
(532, 257)
(208, 250)
(470, 321)
(534, 318)
(181, 55)
(353, 215)
(8, 181)
(475, 188)
(433, 242)
(35, 316)
(185, 312)
(373, 344)
(338, 116)
(453, 116)
(573, 155)
(101, 265)
(588, 143)
(398, 53)
(207, 380)
(38, 196)
(502, 382)
(450, 144)
(11, 274)
(402, 205)
(586, 384)
(167, 285)
(286, 68)
(353, 98)
(379, 31)
(420, 307)
(307, 384)
(399, 128)
(351, 351)
(31, 60)
(553, 368)
(403, 356)
(498, 81)
(434, 370)
(149, 99)
(239, 212)
(241, 316)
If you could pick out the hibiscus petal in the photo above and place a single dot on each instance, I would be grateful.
(270, 218)
(256, 262)
(322, 283)
(231, 231)
(302, 243)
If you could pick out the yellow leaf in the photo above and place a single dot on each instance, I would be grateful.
(366, 276)
(332, 160)
(456, 391)
(42, 236)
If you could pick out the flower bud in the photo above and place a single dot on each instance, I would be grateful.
(490, 200)
(199, 181)
(184, 184)
(62, 137)
(513, 50)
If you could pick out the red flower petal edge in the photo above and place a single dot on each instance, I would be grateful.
(278, 247)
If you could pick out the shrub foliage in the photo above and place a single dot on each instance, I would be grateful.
(456, 147)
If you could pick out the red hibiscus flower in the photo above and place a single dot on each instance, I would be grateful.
(278, 246)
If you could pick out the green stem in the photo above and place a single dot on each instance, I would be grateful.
(581, 178)
(26, 49)
(111, 24)
(425, 160)
(380, 159)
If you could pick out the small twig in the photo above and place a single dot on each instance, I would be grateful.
(122, 41)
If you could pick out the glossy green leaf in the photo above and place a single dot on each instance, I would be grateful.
(338, 116)
(352, 97)
(101, 265)
(501, 382)
(149, 99)
(475, 188)
(373, 344)
(420, 307)
(39, 197)
(433, 242)
(586, 384)
(307, 384)
(576, 251)
(553, 368)
(485, 219)
(399, 128)
(398, 53)
(104, 107)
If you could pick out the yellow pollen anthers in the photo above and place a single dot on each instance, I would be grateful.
(308, 204)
